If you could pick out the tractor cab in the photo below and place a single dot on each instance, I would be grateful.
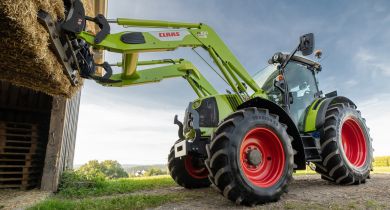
(298, 77)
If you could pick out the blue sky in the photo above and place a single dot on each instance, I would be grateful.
(134, 124)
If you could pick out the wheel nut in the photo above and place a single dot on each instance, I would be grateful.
(254, 157)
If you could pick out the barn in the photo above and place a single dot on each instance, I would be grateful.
(37, 130)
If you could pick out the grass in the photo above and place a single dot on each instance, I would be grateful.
(381, 169)
(122, 202)
(117, 186)
(308, 171)
(98, 196)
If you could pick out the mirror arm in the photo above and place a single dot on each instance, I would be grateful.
(287, 60)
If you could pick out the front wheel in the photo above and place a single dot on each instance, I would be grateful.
(251, 157)
(188, 171)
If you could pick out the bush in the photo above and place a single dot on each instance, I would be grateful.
(73, 181)
(109, 169)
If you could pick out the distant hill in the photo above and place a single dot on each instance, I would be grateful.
(131, 169)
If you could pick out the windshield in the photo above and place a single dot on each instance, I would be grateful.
(265, 79)
(301, 83)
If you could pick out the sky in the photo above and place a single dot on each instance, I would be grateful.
(134, 125)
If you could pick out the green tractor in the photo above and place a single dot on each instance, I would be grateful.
(246, 142)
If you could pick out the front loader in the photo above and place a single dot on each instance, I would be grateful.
(248, 141)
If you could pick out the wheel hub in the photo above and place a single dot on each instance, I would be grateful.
(254, 157)
(195, 167)
(262, 157)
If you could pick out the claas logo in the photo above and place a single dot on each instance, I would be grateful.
(169, 34)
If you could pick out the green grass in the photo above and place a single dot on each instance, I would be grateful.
(381, 169)
(382, 161)
(308, 171)
(117, 186)
(121, 202)
(97, 196)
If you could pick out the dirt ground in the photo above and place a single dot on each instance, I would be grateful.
(17, 199)
(305, 192)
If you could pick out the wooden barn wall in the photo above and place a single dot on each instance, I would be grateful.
(70, 131)
(24, 119)
(61, 142)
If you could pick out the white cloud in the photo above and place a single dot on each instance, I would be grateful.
(123, 132)
(372, 62)
(351, 83)
(377, 114)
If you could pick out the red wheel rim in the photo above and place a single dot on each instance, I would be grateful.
(354, 142)
(197, 172)
(270, 169)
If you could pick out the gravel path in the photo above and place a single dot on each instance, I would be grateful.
(305, 192)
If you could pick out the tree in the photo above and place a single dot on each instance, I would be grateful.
(154, 172)
(110, 169)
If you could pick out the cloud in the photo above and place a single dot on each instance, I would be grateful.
(124, 132)
(377, 114)
(375, 63)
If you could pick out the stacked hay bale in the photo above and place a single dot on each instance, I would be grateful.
(25, 57)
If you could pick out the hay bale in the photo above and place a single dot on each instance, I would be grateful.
(25, 57)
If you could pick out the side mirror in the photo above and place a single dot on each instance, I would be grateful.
(279, 83)
(306, 45)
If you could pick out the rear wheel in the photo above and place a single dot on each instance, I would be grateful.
(251, 157)
(346, 147)
(188, 171)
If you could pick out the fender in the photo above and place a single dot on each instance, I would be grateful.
(315, 115)
(284, 117)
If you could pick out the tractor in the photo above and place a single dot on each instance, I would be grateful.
(246, 142)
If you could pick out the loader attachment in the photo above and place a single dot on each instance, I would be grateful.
(73, 53)
(61, 46)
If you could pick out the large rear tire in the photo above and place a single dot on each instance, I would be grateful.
(251, 157)
(189, 171)
(346, 148)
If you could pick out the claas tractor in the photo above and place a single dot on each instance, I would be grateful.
(246, 142)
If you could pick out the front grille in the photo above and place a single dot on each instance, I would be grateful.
(233, 101)
(208, 113)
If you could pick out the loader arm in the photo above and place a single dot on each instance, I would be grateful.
(175, 68)
(173, 35)
(201, 36)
